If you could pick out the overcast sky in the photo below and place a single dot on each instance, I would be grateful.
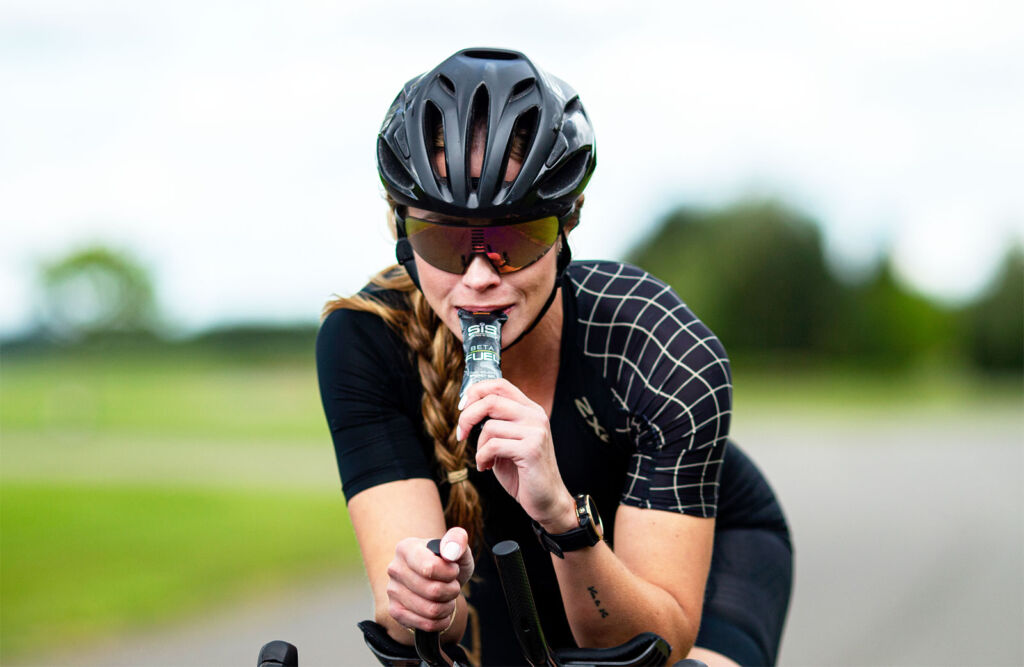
(230, 145)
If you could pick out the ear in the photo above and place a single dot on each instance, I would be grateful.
(575, 219)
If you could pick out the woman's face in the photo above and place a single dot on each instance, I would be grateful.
(520, 294)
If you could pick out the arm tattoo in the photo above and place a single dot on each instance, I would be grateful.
(597, 603)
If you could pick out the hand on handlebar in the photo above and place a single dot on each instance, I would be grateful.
(516, 444)
(422, 588)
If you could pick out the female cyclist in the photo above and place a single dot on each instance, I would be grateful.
(614, 403)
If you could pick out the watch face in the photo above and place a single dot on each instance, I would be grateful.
(589, 507)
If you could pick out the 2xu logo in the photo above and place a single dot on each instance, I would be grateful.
(583, 405)
(489, 330)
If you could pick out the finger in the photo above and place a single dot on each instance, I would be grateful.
(413, 561)
(457, 540)
(530, 436)
(519, 429)
(454, 544)
(498, 448)
(421, 615)
(408, 587)
(472, 415)
(407, 584)
(495, 407)
(418, 591)
(499, 387)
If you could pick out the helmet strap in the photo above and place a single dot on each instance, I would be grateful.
(403, 253)
(564, 257)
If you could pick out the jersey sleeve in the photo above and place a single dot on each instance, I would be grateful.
(670, 375)
(370, 404)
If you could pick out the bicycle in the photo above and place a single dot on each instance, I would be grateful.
(645, 650)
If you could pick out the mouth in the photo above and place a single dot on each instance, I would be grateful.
(487, 308)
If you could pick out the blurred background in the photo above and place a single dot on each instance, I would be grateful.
(833, 188)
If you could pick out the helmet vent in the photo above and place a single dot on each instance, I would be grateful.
(433, 135)
(477, 127)
(566, 178)
(523, 133)
(446, 84)
(521, 88)
(392, 167)
(488, 54)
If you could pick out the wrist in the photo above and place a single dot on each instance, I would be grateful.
(564, 518)
(588, 529)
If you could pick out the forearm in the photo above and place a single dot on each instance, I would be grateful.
(607, 604)
(411, 586)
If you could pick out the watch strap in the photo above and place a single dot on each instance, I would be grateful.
(573, 540)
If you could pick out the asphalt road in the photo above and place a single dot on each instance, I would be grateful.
(909, 536)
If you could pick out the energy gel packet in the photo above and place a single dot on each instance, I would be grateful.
(481, 343)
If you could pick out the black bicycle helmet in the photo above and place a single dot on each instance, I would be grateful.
(512, 97)
(512, 94)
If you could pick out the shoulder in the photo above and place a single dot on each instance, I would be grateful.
(619, 307)
(355, 326)
(346, 326)
(651, 349)
(610, 293)
(607, 279)
(353, 340)
(371, 395)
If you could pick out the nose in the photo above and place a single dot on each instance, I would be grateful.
(480, 274)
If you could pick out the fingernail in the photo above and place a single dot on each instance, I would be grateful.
(458, 433)
(462, 402)
(451, 551)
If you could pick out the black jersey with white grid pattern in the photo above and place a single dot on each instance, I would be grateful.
(640, 416)
(669, 376)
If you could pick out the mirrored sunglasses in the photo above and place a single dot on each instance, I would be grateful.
(450, 246)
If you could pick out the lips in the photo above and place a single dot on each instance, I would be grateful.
(487, 308)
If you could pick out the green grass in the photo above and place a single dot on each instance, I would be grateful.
(81, 561)
(141, 488)
(61, 455)
(175, 394)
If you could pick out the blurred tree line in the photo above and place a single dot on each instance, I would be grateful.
(93, 291)
(756, 273)
(98, 300)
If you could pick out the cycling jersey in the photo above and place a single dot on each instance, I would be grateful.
(640, 417)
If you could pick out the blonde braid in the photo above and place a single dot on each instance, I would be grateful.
(441, 376)
(440, 362)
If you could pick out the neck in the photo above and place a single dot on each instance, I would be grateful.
(532, 364)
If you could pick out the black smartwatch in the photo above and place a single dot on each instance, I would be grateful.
(590, 532)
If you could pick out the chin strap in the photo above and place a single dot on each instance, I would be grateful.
(564, 257)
